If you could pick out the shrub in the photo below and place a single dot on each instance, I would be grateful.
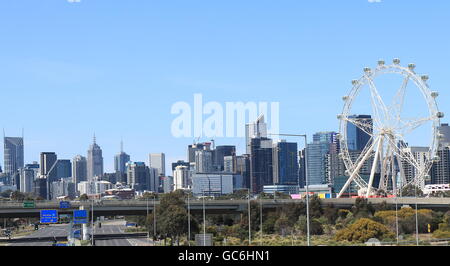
(441, 234)
(315, 227)
(363, 230)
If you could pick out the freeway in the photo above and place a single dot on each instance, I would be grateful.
(140, 207)
(113, 227)
(111, 233)
(57, 230)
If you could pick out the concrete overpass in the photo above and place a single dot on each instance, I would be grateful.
(140, 207)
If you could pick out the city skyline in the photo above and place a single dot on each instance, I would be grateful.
(93, 69)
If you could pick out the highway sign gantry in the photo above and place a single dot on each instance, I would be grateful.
(80, 217)
(29, 204)
(64, 205)
(49, 216)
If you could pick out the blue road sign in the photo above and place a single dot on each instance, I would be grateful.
(80, 217)
(49, 216)
(64, 205)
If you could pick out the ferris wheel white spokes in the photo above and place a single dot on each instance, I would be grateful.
(363, 124)
(409, 125)
(386, 149)
(399, 98)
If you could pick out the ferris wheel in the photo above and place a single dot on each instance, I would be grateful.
(386, 152)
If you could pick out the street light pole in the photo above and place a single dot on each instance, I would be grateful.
(249, 221)
(92, 223)
(417, 218)
(189, 222)
(396, 217)
(154, 216)
(204, 220)
(148, 232)
(261, 218)
(307, 192)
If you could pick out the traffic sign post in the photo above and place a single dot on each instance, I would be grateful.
(80, 217)
(49, 216)
(29, 204)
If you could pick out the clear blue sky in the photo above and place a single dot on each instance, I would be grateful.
(116, 67)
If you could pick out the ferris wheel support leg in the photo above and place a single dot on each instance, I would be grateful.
(374, 166)
(358, 167)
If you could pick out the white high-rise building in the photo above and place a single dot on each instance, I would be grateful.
(93, 187)
(181, 178)
(158, 161)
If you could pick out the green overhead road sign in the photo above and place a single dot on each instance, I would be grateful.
(29, 204)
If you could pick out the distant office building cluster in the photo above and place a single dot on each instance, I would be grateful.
(267, 166)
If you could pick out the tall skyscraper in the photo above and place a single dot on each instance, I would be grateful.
(48, 166)
(41, 188)
(324, 143)
(285, 163)
(421, 156)
(203, 161)
(154, 181)
(196, 147)
(261, 164)
(120, 160)
(63, 169)
(141, 177)
(357, 138)
(94, 161)
(158, 161)
(180, 163)
(79, 169)
(444, 132)
(219, 155)
(27, 177)
(440, 171)
(120, 165)
(13, 154)
(257, 129)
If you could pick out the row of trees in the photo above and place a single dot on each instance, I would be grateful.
(357, 224)
(19, 196)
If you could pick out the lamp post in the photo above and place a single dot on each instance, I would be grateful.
(306, 180)
(148, 232)
(249, 221)
(260, 219)
(92, 223)
(154, 216)
(396, 217)
(189, 221)
(204, 219)
(417, 218)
